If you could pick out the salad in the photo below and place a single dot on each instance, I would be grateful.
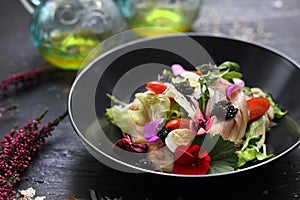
(195, 122)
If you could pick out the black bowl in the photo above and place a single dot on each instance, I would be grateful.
(139, 61)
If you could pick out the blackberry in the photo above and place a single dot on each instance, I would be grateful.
(162, 134)
(224, 110)
(184, 87)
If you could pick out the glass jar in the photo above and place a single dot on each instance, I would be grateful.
(65, 31)
(178, 15)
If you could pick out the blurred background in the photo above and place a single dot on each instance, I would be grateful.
(66, 43)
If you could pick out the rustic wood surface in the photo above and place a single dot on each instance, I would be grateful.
(64, 169)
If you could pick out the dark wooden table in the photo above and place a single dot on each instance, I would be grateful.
(63, 168)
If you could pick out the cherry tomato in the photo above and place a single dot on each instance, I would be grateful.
(156, 86)
(172, 99)
(178, 123)
(257, 107)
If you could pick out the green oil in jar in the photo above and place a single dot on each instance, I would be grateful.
(174, 17)
(68, 50)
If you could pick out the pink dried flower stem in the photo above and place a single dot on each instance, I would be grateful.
(26, 77)
(17, 149)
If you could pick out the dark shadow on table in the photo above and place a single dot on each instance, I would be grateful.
(265, 182)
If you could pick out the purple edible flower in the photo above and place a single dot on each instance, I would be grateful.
(151, 129)
(231, 89)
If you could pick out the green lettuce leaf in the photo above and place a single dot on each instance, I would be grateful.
(253, 148)
(277, 111)
(174, 112)
(156, 106)
(253, 154)
(233, 66)
(231, 75)
(118, 116)
(221, 152)
(146, 106)
(233, 70)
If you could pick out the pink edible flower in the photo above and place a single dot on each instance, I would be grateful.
(177, 69)
(201, 124)
(231, 90)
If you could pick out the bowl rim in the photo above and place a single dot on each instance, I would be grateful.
(136, 169)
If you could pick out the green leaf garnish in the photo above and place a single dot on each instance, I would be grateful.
(277, 111)
(232, 66)
(232, 74)
(221, 152)
(250, 151)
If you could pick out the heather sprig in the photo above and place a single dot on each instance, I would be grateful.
(26, 78)
(8, 108)
(17, 149)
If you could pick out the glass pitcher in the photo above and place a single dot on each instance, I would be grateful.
(65, 31)
(178, 15)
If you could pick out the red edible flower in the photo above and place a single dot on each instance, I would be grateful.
(191, 160)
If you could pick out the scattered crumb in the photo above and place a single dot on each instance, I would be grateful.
(29, 194)
(284, 173)
(39, 198)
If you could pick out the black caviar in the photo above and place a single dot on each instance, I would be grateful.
(162, 134)
(224, 110)
(184, 87)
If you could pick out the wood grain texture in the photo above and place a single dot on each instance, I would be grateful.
(63, 167)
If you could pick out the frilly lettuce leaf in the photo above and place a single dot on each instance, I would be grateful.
(252, 153)
(145, 107)
(118, 115)
(252, 148)
(277, 111)
(156, 106)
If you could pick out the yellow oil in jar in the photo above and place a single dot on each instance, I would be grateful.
(68, 50)
(170, 17)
